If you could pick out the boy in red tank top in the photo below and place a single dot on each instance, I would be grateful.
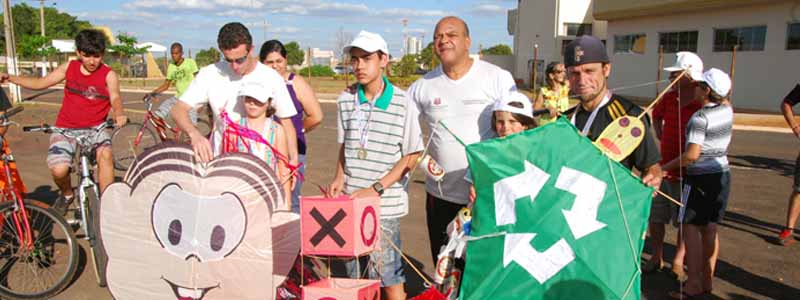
(91, 90)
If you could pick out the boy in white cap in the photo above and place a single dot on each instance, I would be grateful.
(708, 179)
(379, 142)
(670, 117)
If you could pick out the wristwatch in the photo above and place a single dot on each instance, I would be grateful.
(378, 187)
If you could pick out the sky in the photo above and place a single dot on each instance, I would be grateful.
(312, 23)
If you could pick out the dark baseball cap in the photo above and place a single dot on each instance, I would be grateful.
(585, 49)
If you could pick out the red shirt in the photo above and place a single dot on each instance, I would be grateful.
(673, 131)
(86, 98)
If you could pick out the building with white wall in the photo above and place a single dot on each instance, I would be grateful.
(413, 45)
(549, 24)
(767, 33)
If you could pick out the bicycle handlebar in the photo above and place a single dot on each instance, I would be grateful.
(48, 128)
(13, 111)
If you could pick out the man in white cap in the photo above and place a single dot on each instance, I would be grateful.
(670, 117)
(379, 141)
(707, 180)
(460, 94)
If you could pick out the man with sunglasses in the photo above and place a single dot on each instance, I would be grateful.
(218, 85)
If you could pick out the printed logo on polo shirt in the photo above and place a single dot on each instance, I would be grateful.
(437, 101)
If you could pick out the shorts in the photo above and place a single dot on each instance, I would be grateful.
(707, 198)
(166, 106)
(62, 149)
(663, 210)
(387, 261)
(797, 174)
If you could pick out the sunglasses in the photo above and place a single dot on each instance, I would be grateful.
(239, 60)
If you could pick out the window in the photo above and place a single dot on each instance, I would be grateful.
(678, 41)
(793, 36)
(748, 38)
(631, 43)
(578, 29)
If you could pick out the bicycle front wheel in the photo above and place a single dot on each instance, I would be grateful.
(41, 266)
(128, 141)
(99, 256)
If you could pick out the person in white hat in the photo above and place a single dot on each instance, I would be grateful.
(707, 178)
(379, 141)
(670, 117)
(258, 116)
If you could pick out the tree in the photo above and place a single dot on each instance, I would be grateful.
(427, 57)
(499, 49)
(126, 48)
(406, 66)
(206, 57)
(318, 71)
(294, 54)
(343, 38)
(58, 25)
(35, 46)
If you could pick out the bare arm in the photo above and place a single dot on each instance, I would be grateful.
(539, 102)
(283, 169)
(336, 186)
(310, 103)
(200, 144)
(112, 80)
(691, 155)
(291, 139)
(788, 115)
(35, 83)
(163, 87)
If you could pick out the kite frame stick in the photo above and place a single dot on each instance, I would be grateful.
(664, 92)
(421, 275)
(669, 198)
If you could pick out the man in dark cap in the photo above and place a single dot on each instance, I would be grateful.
(587, 70)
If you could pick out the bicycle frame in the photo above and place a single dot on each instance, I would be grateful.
(10, 191)
(160, 125)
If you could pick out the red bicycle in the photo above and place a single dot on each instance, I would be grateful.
(38, 249)
(128, 141)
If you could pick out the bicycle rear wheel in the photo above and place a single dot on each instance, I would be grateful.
(128, 141)
(98, 253)
(41, 269)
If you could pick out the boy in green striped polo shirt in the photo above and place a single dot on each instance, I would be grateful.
(380, 139)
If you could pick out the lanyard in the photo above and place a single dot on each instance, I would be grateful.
(590, 121)
(363, 125)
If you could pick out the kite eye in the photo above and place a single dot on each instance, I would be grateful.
(221, 226)
(173, 217)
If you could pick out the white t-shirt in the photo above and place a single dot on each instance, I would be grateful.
(465, 106)
(219, 86)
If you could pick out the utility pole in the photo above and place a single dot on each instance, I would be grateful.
(41, 26)
(11, 51)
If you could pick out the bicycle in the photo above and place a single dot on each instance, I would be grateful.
(38, 250)
(88, 195)
(128, 141)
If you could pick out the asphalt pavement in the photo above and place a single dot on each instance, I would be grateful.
(751, 264)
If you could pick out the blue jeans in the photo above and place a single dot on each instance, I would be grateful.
(387, 261)
(299, 185)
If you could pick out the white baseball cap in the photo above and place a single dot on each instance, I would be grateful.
(503, 104)
(718, 81)
(257, 90)
(369, 42)
(686, 60)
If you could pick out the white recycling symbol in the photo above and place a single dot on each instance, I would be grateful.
(581, 218)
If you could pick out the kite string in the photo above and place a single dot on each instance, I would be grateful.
(625, 221)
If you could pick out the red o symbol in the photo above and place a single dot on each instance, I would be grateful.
(369, 230)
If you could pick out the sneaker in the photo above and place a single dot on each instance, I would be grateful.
(62, 203)
(786, 237)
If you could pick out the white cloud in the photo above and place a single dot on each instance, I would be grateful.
(407, 12)
(489, 9)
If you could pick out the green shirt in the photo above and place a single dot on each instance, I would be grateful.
(182, 75)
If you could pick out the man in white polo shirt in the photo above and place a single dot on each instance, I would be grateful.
(218, 84)
(379, 141)
(459, 93)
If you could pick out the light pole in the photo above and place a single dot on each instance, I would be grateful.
(41, 26)
(11, 52)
